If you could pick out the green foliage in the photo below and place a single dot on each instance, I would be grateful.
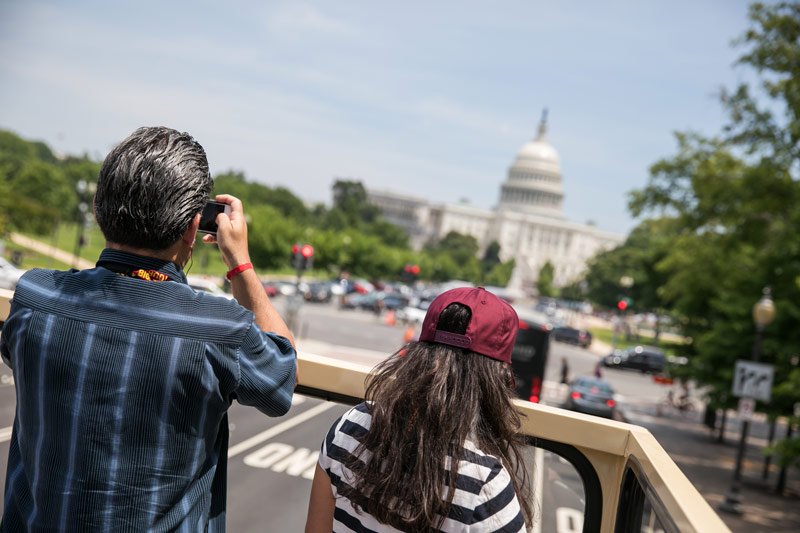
(639, 258)
(544, 283)
(500, 274)
(38, 189)
(351, 198)
(462, 248)
(729, 224)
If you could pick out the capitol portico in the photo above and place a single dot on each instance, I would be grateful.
(528, 222)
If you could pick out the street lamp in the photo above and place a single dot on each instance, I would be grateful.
(626, 282)
(763, 315)
(85, 192)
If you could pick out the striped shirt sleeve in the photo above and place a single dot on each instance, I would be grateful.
(500, 510)
(267, 370)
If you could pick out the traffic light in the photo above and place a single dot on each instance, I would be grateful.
(307, 254)
(410, 272)
(302, 256)
(622, 305)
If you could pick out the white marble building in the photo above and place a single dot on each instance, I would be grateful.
(528, 221)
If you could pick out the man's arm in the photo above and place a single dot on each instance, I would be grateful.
(247, 288)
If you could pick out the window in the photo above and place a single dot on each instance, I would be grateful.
(639, 509)
(566, 489)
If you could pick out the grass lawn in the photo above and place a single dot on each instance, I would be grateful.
(607, 335)
(31, 259)
(206, 259)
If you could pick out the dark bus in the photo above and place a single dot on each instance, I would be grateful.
(529, 358)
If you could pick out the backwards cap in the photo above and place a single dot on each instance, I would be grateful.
(492, 329)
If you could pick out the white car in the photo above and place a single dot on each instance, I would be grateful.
(9, 275)
(206, 285)
(413, 314)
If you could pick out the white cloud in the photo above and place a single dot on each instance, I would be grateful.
(292, 19)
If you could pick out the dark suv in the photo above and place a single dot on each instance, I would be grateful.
(642, 358)
(568, 334)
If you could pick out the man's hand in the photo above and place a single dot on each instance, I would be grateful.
(231, 238)
(231, 234)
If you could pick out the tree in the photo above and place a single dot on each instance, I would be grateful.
(461, 248)
(351, 198)
(544, 283)
(733, 200)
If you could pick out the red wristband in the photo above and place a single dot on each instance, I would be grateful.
(237, 270)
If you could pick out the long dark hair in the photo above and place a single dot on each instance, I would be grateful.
(425, 401)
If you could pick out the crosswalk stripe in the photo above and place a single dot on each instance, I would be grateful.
(280, 428)
(5, 433)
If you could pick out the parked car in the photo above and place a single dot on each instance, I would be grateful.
(206, 285)
(373, 301)
(592, 396)
(579, 337)
(413, 314)
(318, 292)
(9, 275)
(270, 289)
(642, 358)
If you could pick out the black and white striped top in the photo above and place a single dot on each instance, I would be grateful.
(484, 500)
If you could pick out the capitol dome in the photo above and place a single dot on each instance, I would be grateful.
(538, 155)
(534, 178)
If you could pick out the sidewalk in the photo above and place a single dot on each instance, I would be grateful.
(56, 253)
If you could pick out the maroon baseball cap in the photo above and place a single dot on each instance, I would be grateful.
(492, 329)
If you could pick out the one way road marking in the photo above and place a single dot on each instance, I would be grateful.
(277, 430)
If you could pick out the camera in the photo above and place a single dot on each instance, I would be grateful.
(208, 219)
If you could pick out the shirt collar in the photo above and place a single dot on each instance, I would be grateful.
(142, 261)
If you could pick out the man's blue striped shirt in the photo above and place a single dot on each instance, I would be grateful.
(122, 388)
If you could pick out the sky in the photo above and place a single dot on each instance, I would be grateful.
(426, 99)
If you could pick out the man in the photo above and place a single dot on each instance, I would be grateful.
(124, 374)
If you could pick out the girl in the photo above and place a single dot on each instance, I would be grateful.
(443, 405)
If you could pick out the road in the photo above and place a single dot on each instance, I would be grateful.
(272, 460)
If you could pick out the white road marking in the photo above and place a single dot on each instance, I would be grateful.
(277, 430)
(299, 462)
(569, 520)
(297, 399)
(5, 434)
(538, 488)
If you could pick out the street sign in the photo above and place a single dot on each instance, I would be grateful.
(746, 408)
(753, 380)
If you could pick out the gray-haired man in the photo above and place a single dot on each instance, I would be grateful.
(124, 374)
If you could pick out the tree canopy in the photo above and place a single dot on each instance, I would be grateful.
(725, 223)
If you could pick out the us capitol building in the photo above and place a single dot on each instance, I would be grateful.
(528, 221)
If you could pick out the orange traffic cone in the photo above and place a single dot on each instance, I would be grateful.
(390, 319)
(408, 334)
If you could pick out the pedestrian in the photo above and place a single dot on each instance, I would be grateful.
(124, 374)
(598, 371)
(385, 465)
(564, 371)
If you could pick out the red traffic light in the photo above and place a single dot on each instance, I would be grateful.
(622, 305)
(307, 250)
(295, 248)
(415, 269)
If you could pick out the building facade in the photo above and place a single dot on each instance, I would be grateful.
(528, 221)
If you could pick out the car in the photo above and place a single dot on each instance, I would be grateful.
(642, 358)
(319, 292)
(207, 286)
(9, 275)
(593, 396)
(579, 337)
(270, 288)
(413, 314)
